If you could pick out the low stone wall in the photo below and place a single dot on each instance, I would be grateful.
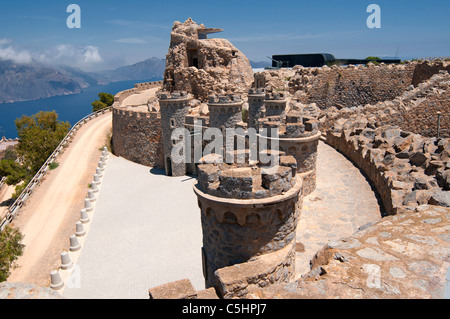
(427, 69)
(148, 85)
(13, 210)
(238, 281)
(406, 169)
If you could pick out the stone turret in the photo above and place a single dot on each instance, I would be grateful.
(297, 136)
(248, 212)
(174, 108)
(225, 111)
(256, 109)
(275, 104)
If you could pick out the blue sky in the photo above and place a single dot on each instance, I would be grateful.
(118, 32)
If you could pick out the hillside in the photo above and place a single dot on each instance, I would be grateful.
(21, 82)
(148, 69)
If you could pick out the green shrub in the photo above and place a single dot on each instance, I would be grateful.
(11, 249)
(53, 165)
(105, 100)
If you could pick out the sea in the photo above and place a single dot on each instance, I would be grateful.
(70, 108)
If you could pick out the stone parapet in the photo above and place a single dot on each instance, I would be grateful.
(246, 181)
(238, 281)
(406, 169)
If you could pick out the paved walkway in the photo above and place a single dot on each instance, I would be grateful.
(140, 98)
(342, 202)
(145, 231)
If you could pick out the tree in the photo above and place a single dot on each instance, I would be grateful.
(374, 59)
(13, 171)
(11, 249)
(39, 135)
(105, 100)
(10, 154)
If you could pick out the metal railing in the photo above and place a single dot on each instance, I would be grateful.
(24, 195)
(2, 182)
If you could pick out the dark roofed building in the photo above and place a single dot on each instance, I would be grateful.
(306, 60)
(319, 60)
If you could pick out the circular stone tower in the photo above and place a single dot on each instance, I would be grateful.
(275, 104)
(256, 108)
(249, 213)
(297, 136)
(173, 107)
(225, 111)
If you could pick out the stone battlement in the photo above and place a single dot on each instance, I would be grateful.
(293, 126)
(177, 95)
(135, 114)
(275, 96)
(247, 181)
(257, 91)
(224, 99)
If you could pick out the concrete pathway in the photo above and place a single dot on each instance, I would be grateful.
(342, 202)
(145, 231)
(140, 98)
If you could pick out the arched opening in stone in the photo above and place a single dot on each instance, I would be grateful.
(169, 166)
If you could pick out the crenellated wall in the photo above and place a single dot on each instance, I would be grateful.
(137, 134)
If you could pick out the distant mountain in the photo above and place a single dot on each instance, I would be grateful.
(21, 82)
(152, 68)
(260, 65)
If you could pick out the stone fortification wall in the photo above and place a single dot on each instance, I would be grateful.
(407, 169)
(121, 96)
(415, 110)
(350, 85)
(137, 134)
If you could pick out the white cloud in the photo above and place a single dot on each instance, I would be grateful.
(92, 55)
(72, 55)
(10, 53)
